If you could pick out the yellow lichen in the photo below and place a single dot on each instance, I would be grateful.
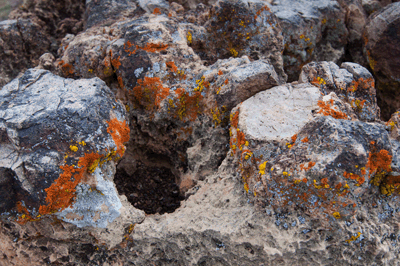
(234, 52)
(73, 148)
(336, 215)
(262, 167)
(189, 37)
(353, 238)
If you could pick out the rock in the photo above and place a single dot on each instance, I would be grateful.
(289, 152)
(394, 125)
(105, 12)
(371, 6)
(237, 28)
(154, 6)
(59, 140)
(352, 83)
(46, 61)
(313, 31)
(55, 18)
(22, 43)
(356, 18)
(184, 113)
(382, 42)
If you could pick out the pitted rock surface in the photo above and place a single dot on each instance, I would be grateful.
(352, 83)
(231, 164)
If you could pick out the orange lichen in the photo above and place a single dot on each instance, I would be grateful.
(226, 81)
(149, 93)
(186, 105)
(294, 138)
(25, 217)
(235, 119)
(127, 48)
(157, 11)
(304, 140)
(121, 82)
(149, 47)
(220, 72)
(241, 139)
(116, 63)
(66, 68)
(265, 8)
(359, 179)
(154, 47)
(172, 66)
(119, 131)
(61, 193)
(327, 110)
(379, 161)
(308, 167)
(361, 83)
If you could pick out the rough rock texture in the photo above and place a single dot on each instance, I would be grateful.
(108, 11)
(314, 31)
(34, 28)
(185, 110)
(382, 48)
(59, 139)
(22, 42)
(352, 83)
(56, 18)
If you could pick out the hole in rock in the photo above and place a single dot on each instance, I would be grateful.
(150, 188)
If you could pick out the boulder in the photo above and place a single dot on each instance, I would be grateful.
(60, 138)
(382, 42)
(313, 31)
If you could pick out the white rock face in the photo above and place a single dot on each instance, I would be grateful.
(279, 112)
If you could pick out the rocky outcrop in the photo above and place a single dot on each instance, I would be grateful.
(166, 134)
(382, 42)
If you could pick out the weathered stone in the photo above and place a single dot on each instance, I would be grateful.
(237, 28)
(294, 160)
(105, 12)
(371, 6)
(22, 42)
(56, 18)
(355, 19)
(352, 83)
(382, 49)
(59, 139)
(313, 31)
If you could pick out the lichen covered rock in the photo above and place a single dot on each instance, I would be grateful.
(60, 140)
(352, 83)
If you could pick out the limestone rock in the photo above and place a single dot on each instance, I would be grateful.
(382, 42)
(352, 83)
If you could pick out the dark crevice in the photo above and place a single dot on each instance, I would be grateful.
(150, 188)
